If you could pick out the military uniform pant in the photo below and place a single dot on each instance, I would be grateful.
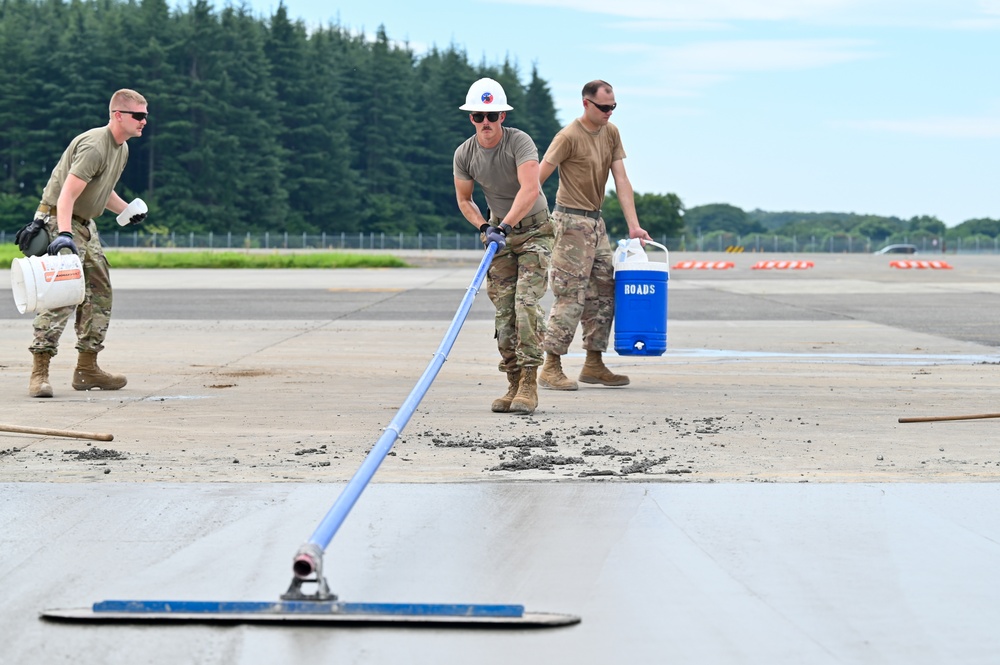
(516, 282)
(583, 283)
(94, 313)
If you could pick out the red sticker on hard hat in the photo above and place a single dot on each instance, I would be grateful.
(487, 98)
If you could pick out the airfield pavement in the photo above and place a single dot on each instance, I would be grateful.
(750, 497)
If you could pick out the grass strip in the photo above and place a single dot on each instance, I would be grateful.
(207, 259)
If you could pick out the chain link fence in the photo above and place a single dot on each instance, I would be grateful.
(716, 242)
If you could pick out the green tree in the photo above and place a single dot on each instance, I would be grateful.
(661, 215)
(540, 107)
(313, 129)
(982, 226)
(387, 114)
(877, 229)
(720, 217)
(446, 76)
(927, 224)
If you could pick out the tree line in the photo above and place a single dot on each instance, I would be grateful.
(255, 124)
(262, 124)
(721, 218)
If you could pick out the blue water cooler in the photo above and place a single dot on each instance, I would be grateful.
(640, 300)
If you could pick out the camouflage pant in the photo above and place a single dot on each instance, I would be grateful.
(516, 282)
(583, 282)
(94, 313)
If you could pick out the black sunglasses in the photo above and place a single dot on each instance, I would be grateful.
(136, 115)
(603, 108)
(492, 116)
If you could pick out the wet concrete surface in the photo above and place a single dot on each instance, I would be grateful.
(749, 498)
(687, 573)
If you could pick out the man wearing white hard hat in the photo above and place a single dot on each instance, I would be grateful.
(504, 162)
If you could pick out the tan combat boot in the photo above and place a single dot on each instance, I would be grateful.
(552, 376)
(502, 404)
(39, 385)
(89, 376)
(594, 371)
(526, 399)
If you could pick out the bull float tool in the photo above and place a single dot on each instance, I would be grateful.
(296, 606)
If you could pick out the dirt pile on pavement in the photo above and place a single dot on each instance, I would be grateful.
(588, 450)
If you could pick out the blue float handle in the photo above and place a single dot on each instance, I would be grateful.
(324, 533)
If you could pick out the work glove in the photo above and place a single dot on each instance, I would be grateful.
(27, 234)
(483, 230)
(63, 241)
(137, 219)
(133, 214)
(496, 234)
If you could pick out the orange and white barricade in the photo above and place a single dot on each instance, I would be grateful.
(782, 265)
(920, 265)
(703, 265)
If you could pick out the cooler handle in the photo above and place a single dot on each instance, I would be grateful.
(656, 244)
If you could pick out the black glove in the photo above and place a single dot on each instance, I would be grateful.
(496, 234)
(483, 230)
(28, 233)
(137, 219)
(63, 241)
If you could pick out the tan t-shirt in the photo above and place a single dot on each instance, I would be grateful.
(584, 160)
(495, 169)
(98, 160)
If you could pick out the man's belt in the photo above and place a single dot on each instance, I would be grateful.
(46, 209)
(593, 214)
(539, 216)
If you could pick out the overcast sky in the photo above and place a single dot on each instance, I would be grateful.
(888, 107)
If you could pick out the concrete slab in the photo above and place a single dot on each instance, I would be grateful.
(782, 573)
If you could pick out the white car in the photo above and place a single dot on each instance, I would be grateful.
(898, 249)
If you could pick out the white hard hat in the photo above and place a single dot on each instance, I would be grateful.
(486, 95)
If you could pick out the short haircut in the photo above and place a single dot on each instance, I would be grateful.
(125, 96)
(591, 88)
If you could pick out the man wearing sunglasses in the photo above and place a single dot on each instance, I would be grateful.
(504, 161)
(81, 188)
(582, 260)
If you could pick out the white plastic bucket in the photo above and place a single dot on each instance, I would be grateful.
(46, 282)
